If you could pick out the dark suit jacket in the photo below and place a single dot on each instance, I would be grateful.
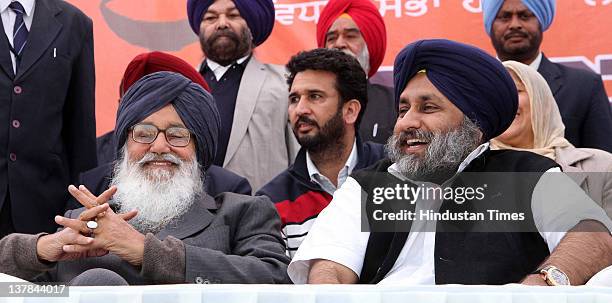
(583, 104)
(380, 114)
(105, 148)
(218, 180)
(229, 239)
(47, 115)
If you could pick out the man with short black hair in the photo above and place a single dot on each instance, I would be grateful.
(327, 97)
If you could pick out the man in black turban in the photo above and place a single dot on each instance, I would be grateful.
(166, 134)
(444, 208)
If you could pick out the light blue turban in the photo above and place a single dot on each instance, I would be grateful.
(544, 10)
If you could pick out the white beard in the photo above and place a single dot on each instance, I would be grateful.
(363, 58)
(159, 196)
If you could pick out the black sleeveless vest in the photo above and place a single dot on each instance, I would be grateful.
(461, 255)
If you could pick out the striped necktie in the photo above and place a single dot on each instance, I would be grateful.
(20, 32)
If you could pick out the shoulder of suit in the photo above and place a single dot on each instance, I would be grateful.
(380, 86)
(576, 73)
(376, 149)
(68, 8)
(276, 70)
(230, 200)
(601, 157)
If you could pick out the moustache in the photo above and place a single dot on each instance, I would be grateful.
(516, 33)
(305, 120)
(416, 134)
(149, 157)
(223, 33)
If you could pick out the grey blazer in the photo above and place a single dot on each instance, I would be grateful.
(231, 238)
(592, 170)
(261, 143)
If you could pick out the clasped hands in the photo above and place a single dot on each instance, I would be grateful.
(113, 234)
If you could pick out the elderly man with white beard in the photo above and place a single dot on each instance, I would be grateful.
(166, 135)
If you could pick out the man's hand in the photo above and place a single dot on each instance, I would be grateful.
(584, 251)
(328, 272)
(49, 248)
(534, 280)
(113, 233)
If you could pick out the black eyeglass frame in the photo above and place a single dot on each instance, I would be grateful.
(159, 130)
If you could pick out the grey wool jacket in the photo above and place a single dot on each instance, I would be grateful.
(231, 238)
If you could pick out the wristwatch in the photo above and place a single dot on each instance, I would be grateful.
(553, 276)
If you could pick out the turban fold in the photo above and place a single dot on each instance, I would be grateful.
(258, 14)
(472, 80)
(544, 10)
(368, 19)
(195, 106)
(148, 63)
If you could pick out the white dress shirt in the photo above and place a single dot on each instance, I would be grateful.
(558, 204)
(219, 70)
(8, 20)
(536, 63)
(324, 182)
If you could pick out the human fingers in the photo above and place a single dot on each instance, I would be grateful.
(81, 197)
(92, 213)
(86, 191)
(105, 196)
(129, 215)
(77, 225)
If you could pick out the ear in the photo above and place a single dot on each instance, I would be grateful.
(350, 111)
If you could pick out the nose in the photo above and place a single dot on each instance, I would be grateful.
(222, 22)
(339, 43)
(302, 108)
(160, 145)
(410, 121)
(515, 22)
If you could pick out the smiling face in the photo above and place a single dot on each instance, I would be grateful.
(516, 33)
(160, 157)
(424, 108)
(431, 136)
(520, 132)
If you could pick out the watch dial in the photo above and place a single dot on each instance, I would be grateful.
(559, 277)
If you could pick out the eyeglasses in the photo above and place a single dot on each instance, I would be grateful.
(147, 134)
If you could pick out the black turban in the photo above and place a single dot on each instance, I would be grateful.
(472, 80)
(194, 105)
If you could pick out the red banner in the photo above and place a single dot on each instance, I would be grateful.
(579, 36)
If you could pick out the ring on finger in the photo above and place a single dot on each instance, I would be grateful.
(91, 225)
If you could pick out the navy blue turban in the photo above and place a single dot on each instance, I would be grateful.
(472, 80)
(258, 14)
(195, 106)
(544, 10)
